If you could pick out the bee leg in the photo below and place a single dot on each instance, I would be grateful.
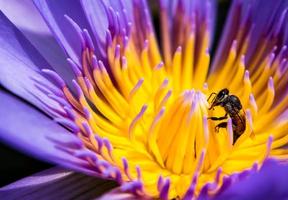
(221, 125)
(218, 118)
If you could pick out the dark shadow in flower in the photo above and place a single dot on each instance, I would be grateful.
(57, 183)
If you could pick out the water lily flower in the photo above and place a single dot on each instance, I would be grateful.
(118, 104)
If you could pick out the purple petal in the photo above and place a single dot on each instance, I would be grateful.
(53, 12)
(28, 130)
(25, 16)
(269, 183)
(32, 22)
(178, 16)
(19, 65)
(111, 17)
(56, 183)
(260, 22)
(14, 43)
(98, 20)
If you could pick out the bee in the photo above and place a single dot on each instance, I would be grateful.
(233, 108)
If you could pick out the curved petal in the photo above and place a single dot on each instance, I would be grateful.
(269, 183)
(56, 183)
(99, 21)
(14, 43)
(28, 130)
(53, 12)
(19, 65)
(256, 29)
(25, 16)
(111, 16)
(15, 10)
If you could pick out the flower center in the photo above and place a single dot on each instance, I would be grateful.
(144, 126)
(182, 134)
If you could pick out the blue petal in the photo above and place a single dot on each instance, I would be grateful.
(178, 16)
(19, 65)
(30, 131)
(269, 183)
(259, 22)
(99, 20)
(25, 16)
(53, 13)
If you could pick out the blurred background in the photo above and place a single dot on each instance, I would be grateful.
(14, 165)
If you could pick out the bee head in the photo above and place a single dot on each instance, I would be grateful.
(219, 98)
